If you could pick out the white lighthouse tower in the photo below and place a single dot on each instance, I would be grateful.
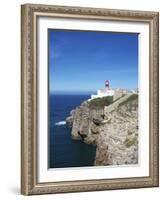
(106, 85)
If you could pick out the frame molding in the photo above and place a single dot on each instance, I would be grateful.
(29, 14)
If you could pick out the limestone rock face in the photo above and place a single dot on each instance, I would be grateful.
(113, 129)
(81, 121)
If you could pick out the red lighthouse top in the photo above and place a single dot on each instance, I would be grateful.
(107, 84)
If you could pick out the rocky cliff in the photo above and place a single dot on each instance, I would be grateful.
(111, 125)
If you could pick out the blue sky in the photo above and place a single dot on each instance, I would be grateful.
(82, 60)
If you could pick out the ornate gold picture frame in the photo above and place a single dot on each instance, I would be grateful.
(30, 98)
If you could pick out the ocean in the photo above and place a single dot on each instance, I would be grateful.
(63, 151)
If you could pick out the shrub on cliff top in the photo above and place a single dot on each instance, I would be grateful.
(130, 99)
(100, 102)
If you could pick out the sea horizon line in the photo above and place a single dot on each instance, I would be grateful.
(71, 92)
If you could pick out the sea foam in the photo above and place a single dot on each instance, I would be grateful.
(60, 123)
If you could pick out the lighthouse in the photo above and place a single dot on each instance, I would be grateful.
(106, 85)
(104, 92)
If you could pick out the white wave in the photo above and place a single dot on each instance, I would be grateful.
(60, 123)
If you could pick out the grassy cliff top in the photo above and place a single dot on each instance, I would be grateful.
(129, 99)
(100, 102)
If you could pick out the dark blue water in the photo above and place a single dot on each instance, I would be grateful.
(63, 151)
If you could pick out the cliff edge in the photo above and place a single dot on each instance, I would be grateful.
(111, 125)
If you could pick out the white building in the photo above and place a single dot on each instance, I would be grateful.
(104, 92)
(116, 93)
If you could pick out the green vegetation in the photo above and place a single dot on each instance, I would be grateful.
(101, 102)
(119, 98)
(129, 142)
(129, 99)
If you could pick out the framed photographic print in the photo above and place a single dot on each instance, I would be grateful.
(89, 97)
